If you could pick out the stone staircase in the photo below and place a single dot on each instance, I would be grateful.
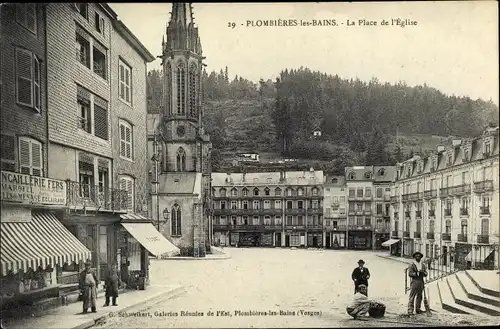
(471, 292)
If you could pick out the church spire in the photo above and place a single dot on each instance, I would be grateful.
(181, 31)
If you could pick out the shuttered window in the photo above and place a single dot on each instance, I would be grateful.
(100, 118)
(126, 138)
(28, 79)
(30, 157)
(127, 184)
(26, 16)
(125, 85)
(8, 152)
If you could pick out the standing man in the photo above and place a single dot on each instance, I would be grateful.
(417, 272)
(112, 284)
(360, 276)
(88, 288)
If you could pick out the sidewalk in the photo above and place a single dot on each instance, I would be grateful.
(71, 316)
(217, 253)
(396, 258)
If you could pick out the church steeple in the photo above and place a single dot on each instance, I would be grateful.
(181, 31)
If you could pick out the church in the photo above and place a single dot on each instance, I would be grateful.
(181, 189)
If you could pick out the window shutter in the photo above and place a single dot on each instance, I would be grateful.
(24, 76)
(31, 17)
(101, 122)
(20, 13)
(130, 191)
(128, 138)
(37, 102)
(24, 157)
(123, 184)
(7, 153)
(36, 159)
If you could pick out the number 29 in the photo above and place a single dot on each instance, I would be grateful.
(231, 25)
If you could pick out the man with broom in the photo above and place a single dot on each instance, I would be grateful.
(417, 272)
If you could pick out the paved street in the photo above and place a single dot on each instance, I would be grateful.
(265, 280)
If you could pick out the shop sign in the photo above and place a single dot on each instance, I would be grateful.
(21, 188)
(15, 214)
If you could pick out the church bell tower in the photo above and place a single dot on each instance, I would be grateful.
(185, 146)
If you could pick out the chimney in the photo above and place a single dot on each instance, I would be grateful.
(457, 142)
(440, 148)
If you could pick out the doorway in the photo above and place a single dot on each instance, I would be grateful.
(277, 240)
(287, 240)
(315, 241)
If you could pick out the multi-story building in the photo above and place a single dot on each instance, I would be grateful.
(383, 179)
(363, 231)
(269, 208)
(448, 202)
(335, 211)
(97, 131)
(34, 242)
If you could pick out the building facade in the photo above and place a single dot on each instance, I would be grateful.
(97, 130)
(335, 212)
(448, 203)
(181, 195)
(270, 209)
(35, 245)
(367, 229)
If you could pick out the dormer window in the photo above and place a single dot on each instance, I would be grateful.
(368, 175)
(351, 176)
(466, 155)
(245, 192)
(222, 192)
(256, 191)
(487, 148)
(409, 171)
(381, 172)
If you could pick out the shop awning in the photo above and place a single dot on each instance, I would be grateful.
(42, 241)
(389, 242)
(149, 237)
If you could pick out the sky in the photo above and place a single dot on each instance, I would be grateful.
(453, 46)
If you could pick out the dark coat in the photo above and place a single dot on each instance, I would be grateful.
(81, 281)
(415, 275)
(360, 277)
(112, 283)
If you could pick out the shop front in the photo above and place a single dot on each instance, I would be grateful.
(336, 240)
(315, 239)
(408, 247)
(35, 246)
(360, 240)
(394, 246)
(137, 240)
(380, 239)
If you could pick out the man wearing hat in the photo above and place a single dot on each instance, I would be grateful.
(360, 276)
(417, 272)
(88, 288)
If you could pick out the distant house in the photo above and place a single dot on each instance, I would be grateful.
(248, 157)
(317, 132)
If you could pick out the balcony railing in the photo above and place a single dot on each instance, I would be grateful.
(461, 189)
(405, 197)
(430, 194)
(485, 210)
(406, 234)
(483, 239)
(430, 235)
(87, 195)
(367, 212)
(387, 198)
(259, 211)
(255, 227)
(314, 211)
(445, 192)
(337, 228)
(447, 212)
(415, 196)
(395, 199)
(417, 235)
(462, 237)
(483, 186)
(295, 210)
(446, 236)
(360, 227)
(464, 212)
(394, 234)
(432, 213)
(418, 213)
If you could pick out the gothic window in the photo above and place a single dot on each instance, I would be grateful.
(168, 81)
(192, 90)
(181, 89)
(181, 159)
(176, 220)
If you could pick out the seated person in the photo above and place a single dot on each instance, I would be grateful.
(362, 305)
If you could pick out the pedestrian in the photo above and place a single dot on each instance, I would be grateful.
(111, 285)
(88, 288)
(417, 272)
(360, 275)
(361, 304)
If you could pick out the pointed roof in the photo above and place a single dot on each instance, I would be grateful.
(181, 31)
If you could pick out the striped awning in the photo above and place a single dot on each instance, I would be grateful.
(389, 242)
(42, 241)
(131, 217)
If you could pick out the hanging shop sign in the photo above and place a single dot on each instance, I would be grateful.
(26, 189)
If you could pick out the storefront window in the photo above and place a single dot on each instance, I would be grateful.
(103, 244)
